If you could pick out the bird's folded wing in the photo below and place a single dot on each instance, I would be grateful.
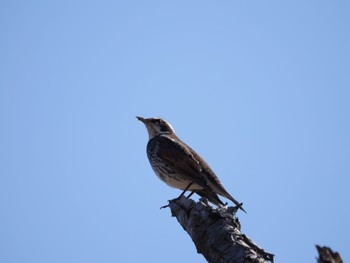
(180, 158)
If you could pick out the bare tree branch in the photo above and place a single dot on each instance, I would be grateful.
(326, 255)
(216, 232)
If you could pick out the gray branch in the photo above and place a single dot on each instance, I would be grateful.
(216, 232)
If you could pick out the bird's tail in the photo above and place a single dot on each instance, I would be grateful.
(238, 204)
(211, 196)
(214, 198)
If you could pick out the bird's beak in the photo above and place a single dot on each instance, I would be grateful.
(141, 119)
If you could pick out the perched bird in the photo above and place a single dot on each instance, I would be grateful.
(179, 166)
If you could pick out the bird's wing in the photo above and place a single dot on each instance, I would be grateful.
(176, 154)
(188, 164)
(211, 196)
(212, 180)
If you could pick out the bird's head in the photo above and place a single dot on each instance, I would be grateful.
(156, 126)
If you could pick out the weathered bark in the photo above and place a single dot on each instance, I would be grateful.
(326, 255)
(216, 232)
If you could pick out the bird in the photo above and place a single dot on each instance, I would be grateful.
(179, 166)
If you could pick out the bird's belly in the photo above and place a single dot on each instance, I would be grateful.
(180, 184)
(175, 180)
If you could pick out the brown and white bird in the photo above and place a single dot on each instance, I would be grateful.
(179, 166)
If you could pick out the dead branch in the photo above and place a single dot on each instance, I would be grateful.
(216, 232)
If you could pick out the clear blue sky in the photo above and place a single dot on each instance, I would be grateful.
(261, 89)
